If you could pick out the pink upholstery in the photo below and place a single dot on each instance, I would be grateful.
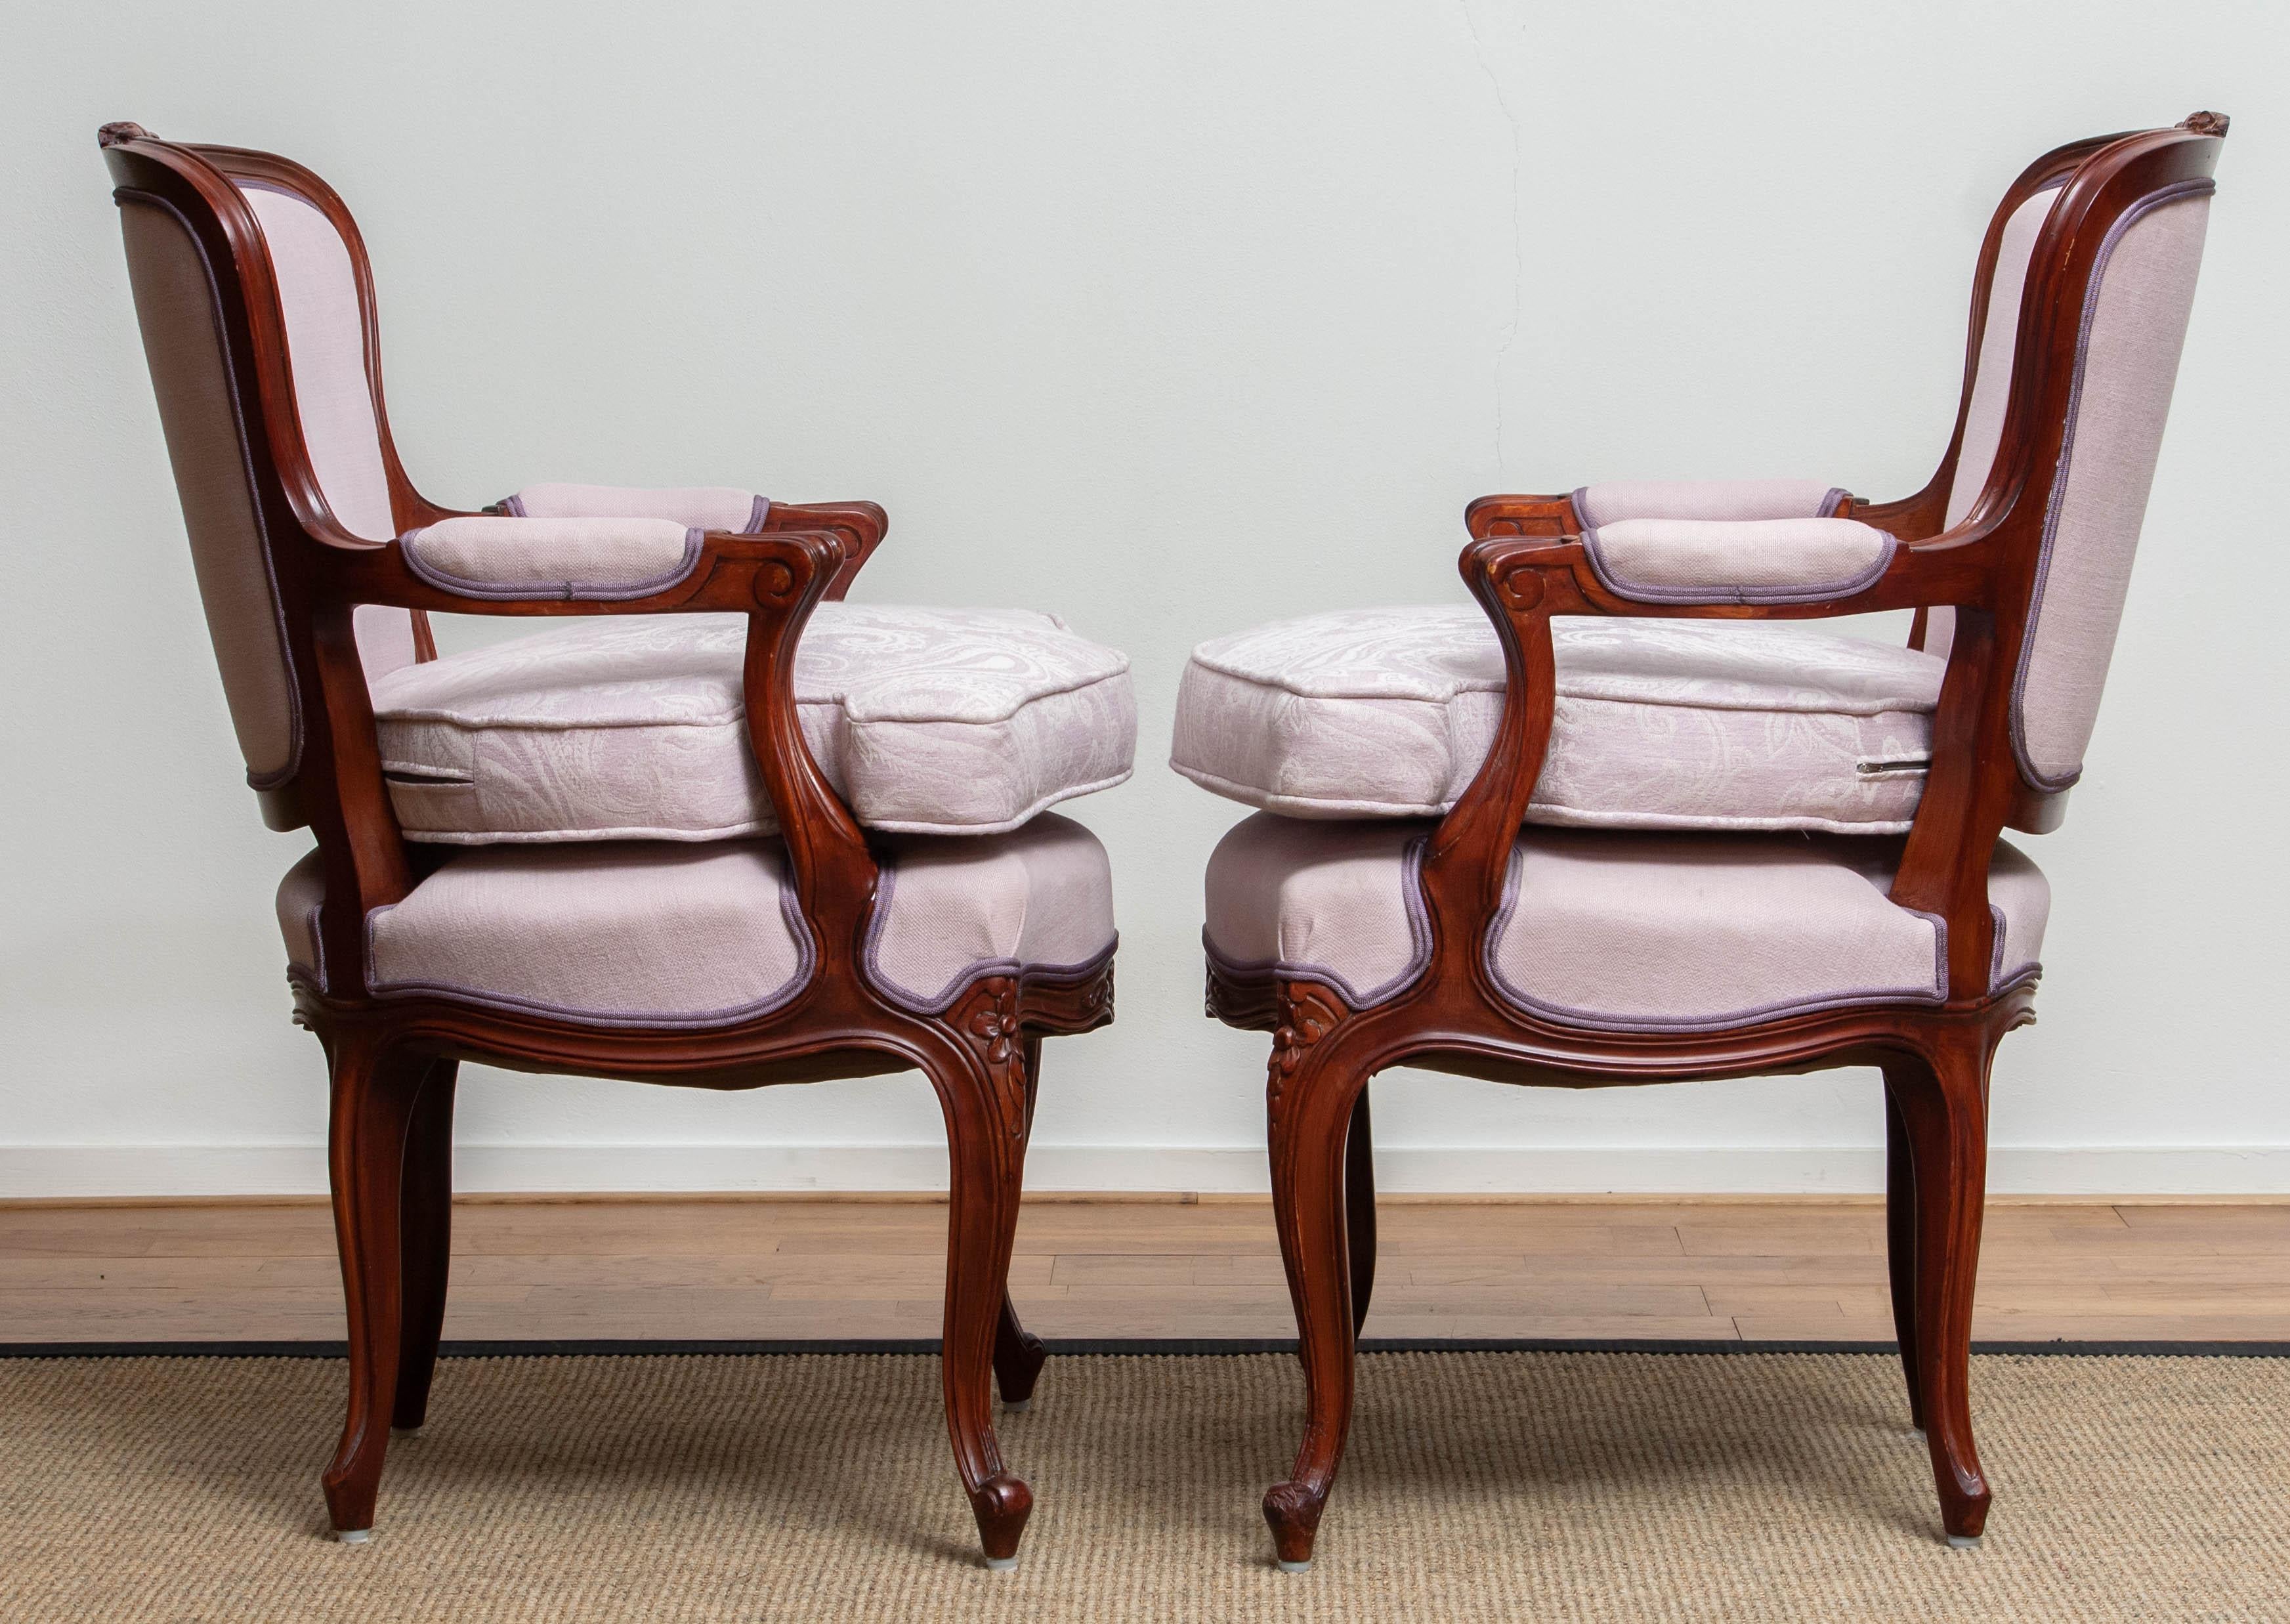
(1601, 930)
(1617, 500)
(1713, 561)
(175, 305)
(650, 934)
(1658, 724)
(695, 506)
(2134, 324)
(597, 558)
(928, 721)
(325, 340)
(951, 909)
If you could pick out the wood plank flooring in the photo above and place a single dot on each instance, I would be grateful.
(805, 1268)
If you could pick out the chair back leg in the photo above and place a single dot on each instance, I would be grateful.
(426, 1242)
(1942, 1100)
(376, 1091)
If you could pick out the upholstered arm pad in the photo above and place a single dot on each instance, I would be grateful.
(697, 506)
(597, 559)
(1707, 561)
(1618, 500)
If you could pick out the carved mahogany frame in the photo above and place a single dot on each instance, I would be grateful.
(1527, 564)
(394, 1059)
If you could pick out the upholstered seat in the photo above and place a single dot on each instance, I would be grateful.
(634, 933)
(1675, 724)
(1610, 929)
(927, 721)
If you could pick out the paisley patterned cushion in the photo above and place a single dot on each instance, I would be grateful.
(1388, 712)
(927, 721)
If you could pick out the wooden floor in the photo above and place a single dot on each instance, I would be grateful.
(829, 1270)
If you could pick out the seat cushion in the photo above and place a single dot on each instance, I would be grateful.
(646, 934)
(1607, 930)
(929, 721)
(1682, 725)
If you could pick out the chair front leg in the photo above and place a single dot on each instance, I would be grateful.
(1943, 1105)
(426, 1247)
(1019, 1354)
(376, 1091)
(1309, 1096)
(981, 1087)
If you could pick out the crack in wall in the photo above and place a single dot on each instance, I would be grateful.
(1517, 230)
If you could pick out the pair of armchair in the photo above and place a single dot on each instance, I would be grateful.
(1587, 837)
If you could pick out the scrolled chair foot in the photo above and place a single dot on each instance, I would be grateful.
(1001, 1504)
(1292, 1510)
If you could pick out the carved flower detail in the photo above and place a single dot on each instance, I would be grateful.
(996, 1025)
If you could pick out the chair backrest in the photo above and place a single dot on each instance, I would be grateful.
(2128, 313)
(221, 245)
(2080, 309)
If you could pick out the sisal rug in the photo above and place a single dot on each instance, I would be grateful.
(1479, 1486)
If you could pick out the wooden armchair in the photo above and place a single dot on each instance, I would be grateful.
(557, 915)
(1784, 851)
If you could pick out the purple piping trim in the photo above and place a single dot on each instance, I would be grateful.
(1996, 981)
(1418, 957)
(2124, 222)
(514, 506)
(1833, 504)
(880, 981)
(589, 593)
(285, 774)
(791, 910)
(1564, 1015)
(318, 943)
(1813, 594)
(761, 511)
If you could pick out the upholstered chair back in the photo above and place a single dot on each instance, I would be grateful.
(2132, 317)
(208, 425)
(213, 433)
(327, 341)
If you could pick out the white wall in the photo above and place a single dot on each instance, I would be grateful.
(1173, 316)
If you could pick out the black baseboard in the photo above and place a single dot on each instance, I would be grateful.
(1191, 1347)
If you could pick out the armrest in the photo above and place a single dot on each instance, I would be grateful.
(1760, 561)
(724, 508)
(1738, 499)
(1614, 501)
(596, 559)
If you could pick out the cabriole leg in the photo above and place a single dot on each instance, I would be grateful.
(984, 1102)
(1309, 1098)
(1943, 1106)
(1019, 1354)
(427, 1242)
(1900, 1234)
(1359, 1207)
(375, 1092)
